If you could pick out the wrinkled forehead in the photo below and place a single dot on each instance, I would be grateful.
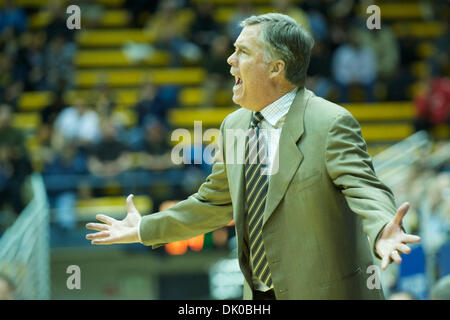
(250, 37)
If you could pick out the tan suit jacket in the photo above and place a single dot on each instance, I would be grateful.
(324, 208)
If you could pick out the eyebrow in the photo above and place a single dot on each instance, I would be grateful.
(240, 46)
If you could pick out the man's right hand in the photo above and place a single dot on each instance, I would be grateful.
(113, 231)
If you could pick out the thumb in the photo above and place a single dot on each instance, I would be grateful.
(401, 212)
(130, 205)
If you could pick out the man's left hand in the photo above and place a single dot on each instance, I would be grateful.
(392, 240)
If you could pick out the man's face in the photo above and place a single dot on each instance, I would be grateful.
(250, 70)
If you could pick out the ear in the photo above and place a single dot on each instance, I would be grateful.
(277, 68)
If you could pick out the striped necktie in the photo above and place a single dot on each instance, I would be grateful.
(256, 185)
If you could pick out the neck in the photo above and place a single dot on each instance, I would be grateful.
(278, 93)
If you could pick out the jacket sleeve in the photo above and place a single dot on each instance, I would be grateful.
(208, 209)
(351, 169)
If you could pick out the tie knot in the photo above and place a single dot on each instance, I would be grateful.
(256, 119)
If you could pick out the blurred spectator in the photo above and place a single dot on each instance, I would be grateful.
(441, 290)
(57, 25)
(153, 147)
(79, 123)
(10, 85)
(149, 104)
(286, 7)
(218, 70)
(52, 111)
(433, 106)
(15, 165)
(317, 21)
(7, 288)
(204, 28)
(439, 62)
(64, 164)
(140, 10)
(59, 66)
(109, 157)
(31, 61)
(105, 100)
(244, 9)
(354, 65)
(319, 73)
(172, 36)
(12, 17)
(384, 44)
(435, 224)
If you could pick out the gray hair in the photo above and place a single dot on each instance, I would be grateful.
(283, 38)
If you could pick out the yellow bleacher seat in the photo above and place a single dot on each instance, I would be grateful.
(34, 101)
(418, 29)
(420, 69)
(191, 96)
(112, 206)
(236, 2)
(134, 77)
(127, 117)
(224, 14)
(111, 38)
(209, 117)
(115, 18)
(383, 132)
(126, 97)
(115, 58)
(43, 3)
(399, 10)
(27, 120)
(425, 49)
(110, 18)
(383, 111)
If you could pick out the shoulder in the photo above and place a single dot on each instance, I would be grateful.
(325, 111)
(235, 118)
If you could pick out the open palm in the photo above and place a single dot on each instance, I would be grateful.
(113, 231)
(393, 238)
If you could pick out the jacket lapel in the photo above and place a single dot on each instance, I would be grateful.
(289, 155)
(236, 174)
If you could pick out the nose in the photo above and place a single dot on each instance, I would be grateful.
(231, 59)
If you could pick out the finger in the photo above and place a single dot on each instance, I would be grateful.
(98, 235)
(97, 226)
(410, 238)
(103, 241)
(396, 256)
(385, 262)
(401, 212)
(105, 219)
(403, 248)
(130, 204)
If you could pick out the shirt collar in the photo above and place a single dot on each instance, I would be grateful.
(279, 108)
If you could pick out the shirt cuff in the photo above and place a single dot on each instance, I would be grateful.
(139, 231)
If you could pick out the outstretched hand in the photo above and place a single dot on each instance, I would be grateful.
(392, 240)
(113, 231)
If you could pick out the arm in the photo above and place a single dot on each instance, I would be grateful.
(350, 167)
(206, 210)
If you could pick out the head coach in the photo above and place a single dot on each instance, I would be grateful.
(307, 229)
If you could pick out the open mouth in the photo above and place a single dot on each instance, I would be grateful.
(238, 81)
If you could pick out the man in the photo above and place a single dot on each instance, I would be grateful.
(302, 230)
